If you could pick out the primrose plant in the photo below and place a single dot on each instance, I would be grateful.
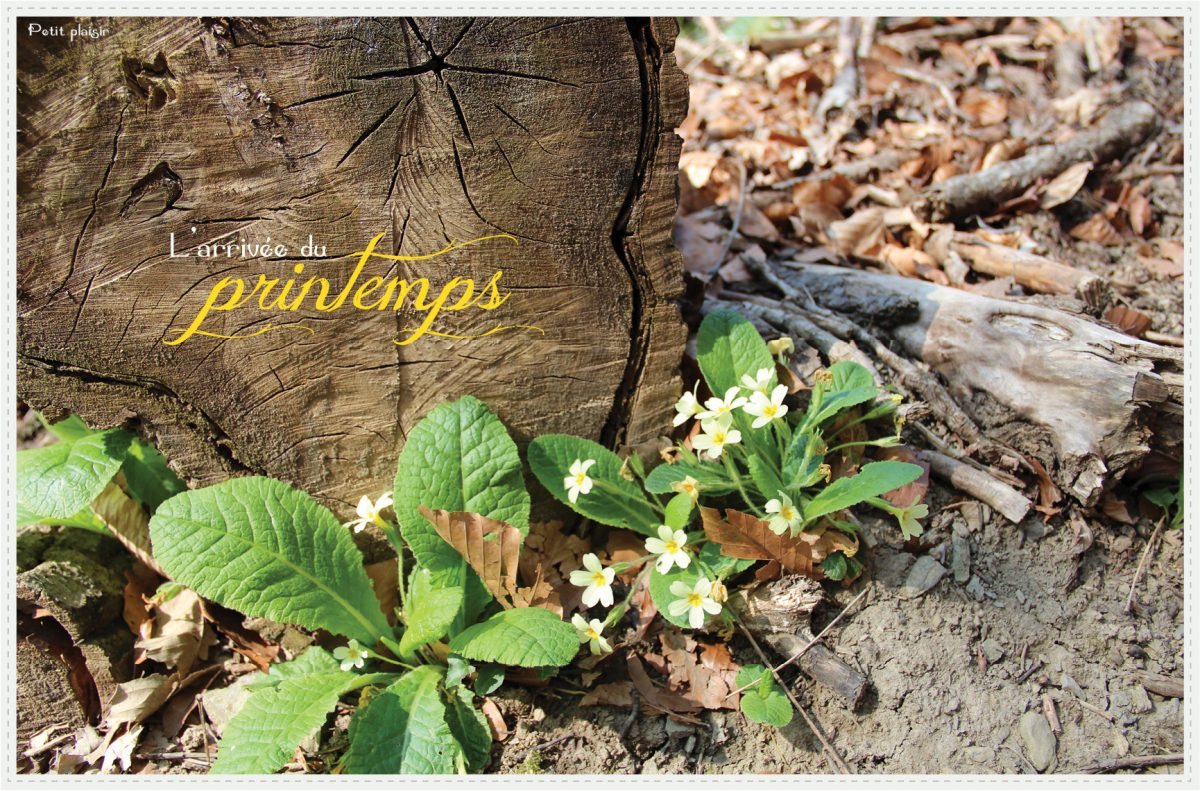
(757, 474)
(260, 547)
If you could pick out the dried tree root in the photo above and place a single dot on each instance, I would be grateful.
(1121, 129)
(983, 487)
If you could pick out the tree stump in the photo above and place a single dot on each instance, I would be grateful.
(540, 148)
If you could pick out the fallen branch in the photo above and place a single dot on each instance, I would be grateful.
(1085, 386)
(1034, 272)
(1002, 498)
(1121, 129)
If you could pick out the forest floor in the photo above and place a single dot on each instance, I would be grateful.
(1021, 621)
(1052, 645)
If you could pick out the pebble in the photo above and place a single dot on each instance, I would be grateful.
(960, 558)
(1040, 744)
(992, 650)
(1071, 685)
(678, 728)
(923, 575)
(979, 754)
(1139, 701)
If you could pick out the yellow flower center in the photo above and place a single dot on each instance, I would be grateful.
(769, 410)
(598, 579)
(580, 478)
(695, 600)
(787, 512)
(593, 634)
(719, 438)
(671, 547)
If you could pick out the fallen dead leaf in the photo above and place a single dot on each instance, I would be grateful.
(495, 719)
(1097, 228)
(747, 537)
(1064, 186)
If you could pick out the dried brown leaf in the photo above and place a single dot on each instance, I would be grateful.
(746, 537)
(1097, 228)
(386, 584)
(127, 521)
(1129, 321)
(495, 719)
(179, 635)
(1064, 186)
(702, 672)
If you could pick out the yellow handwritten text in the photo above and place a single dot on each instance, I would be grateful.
(371, 293)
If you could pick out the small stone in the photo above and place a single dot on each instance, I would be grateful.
(975, 589)
(923, 575)
(1139, 701)
(979, 754)
(690, 745)
(1071, 685)
(960, 558)
(1040, 744)
(992, 650)
(539, 714)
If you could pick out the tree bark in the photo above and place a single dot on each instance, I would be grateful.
(557, 132)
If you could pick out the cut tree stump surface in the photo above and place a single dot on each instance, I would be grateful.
(557, 132)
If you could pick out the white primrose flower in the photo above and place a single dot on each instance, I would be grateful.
(368, 512)
(760, 382)
(669, 546)
(696, 601)
(352, 655)
(577, 481)
(719, 407)
(717, 434)
(596, 579)
(591, 632)
(764, 408)
(785, 515)
(689, 486)
(688, 406)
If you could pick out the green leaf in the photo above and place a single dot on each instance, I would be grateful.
(872, 480)
(851, 385)
(258, 546)
(1163, 498)
(800, 472)
(85, 519)
(678, 511)
(612, 500)
(765, 702)
(710, 477)
(69, 428)
(728, 348)
(403, 730)
(60, 480)
(458, 458)
(834, 566)
(488, 679)
(314, 661)
(470, 729)
(263, 736)
(721, 565)
(660, 591)
(147, 477)
(429, 612)
(528, 637)
(766, 480)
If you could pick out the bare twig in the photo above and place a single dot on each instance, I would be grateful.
(634, 709)
(1000, 496)
(831, 754)
(521, 756)
(1137, 575)
(1132, 762)
(737, 214)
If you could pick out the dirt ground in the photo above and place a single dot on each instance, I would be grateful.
(934, 706)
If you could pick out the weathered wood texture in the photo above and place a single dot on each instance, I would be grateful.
(559, 132)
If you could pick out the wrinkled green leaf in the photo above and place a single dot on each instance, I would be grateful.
(312, 662)
(149, 480)
(528, 637)
(470, 729)
(429, 612)
(872, 480)
(612, 500)
(728, 348)
(403, 730)
(258, 546)
(60, 480)
(710, 477)
(766, 480)
(678, 511)
(261, 738)
(458, 458)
